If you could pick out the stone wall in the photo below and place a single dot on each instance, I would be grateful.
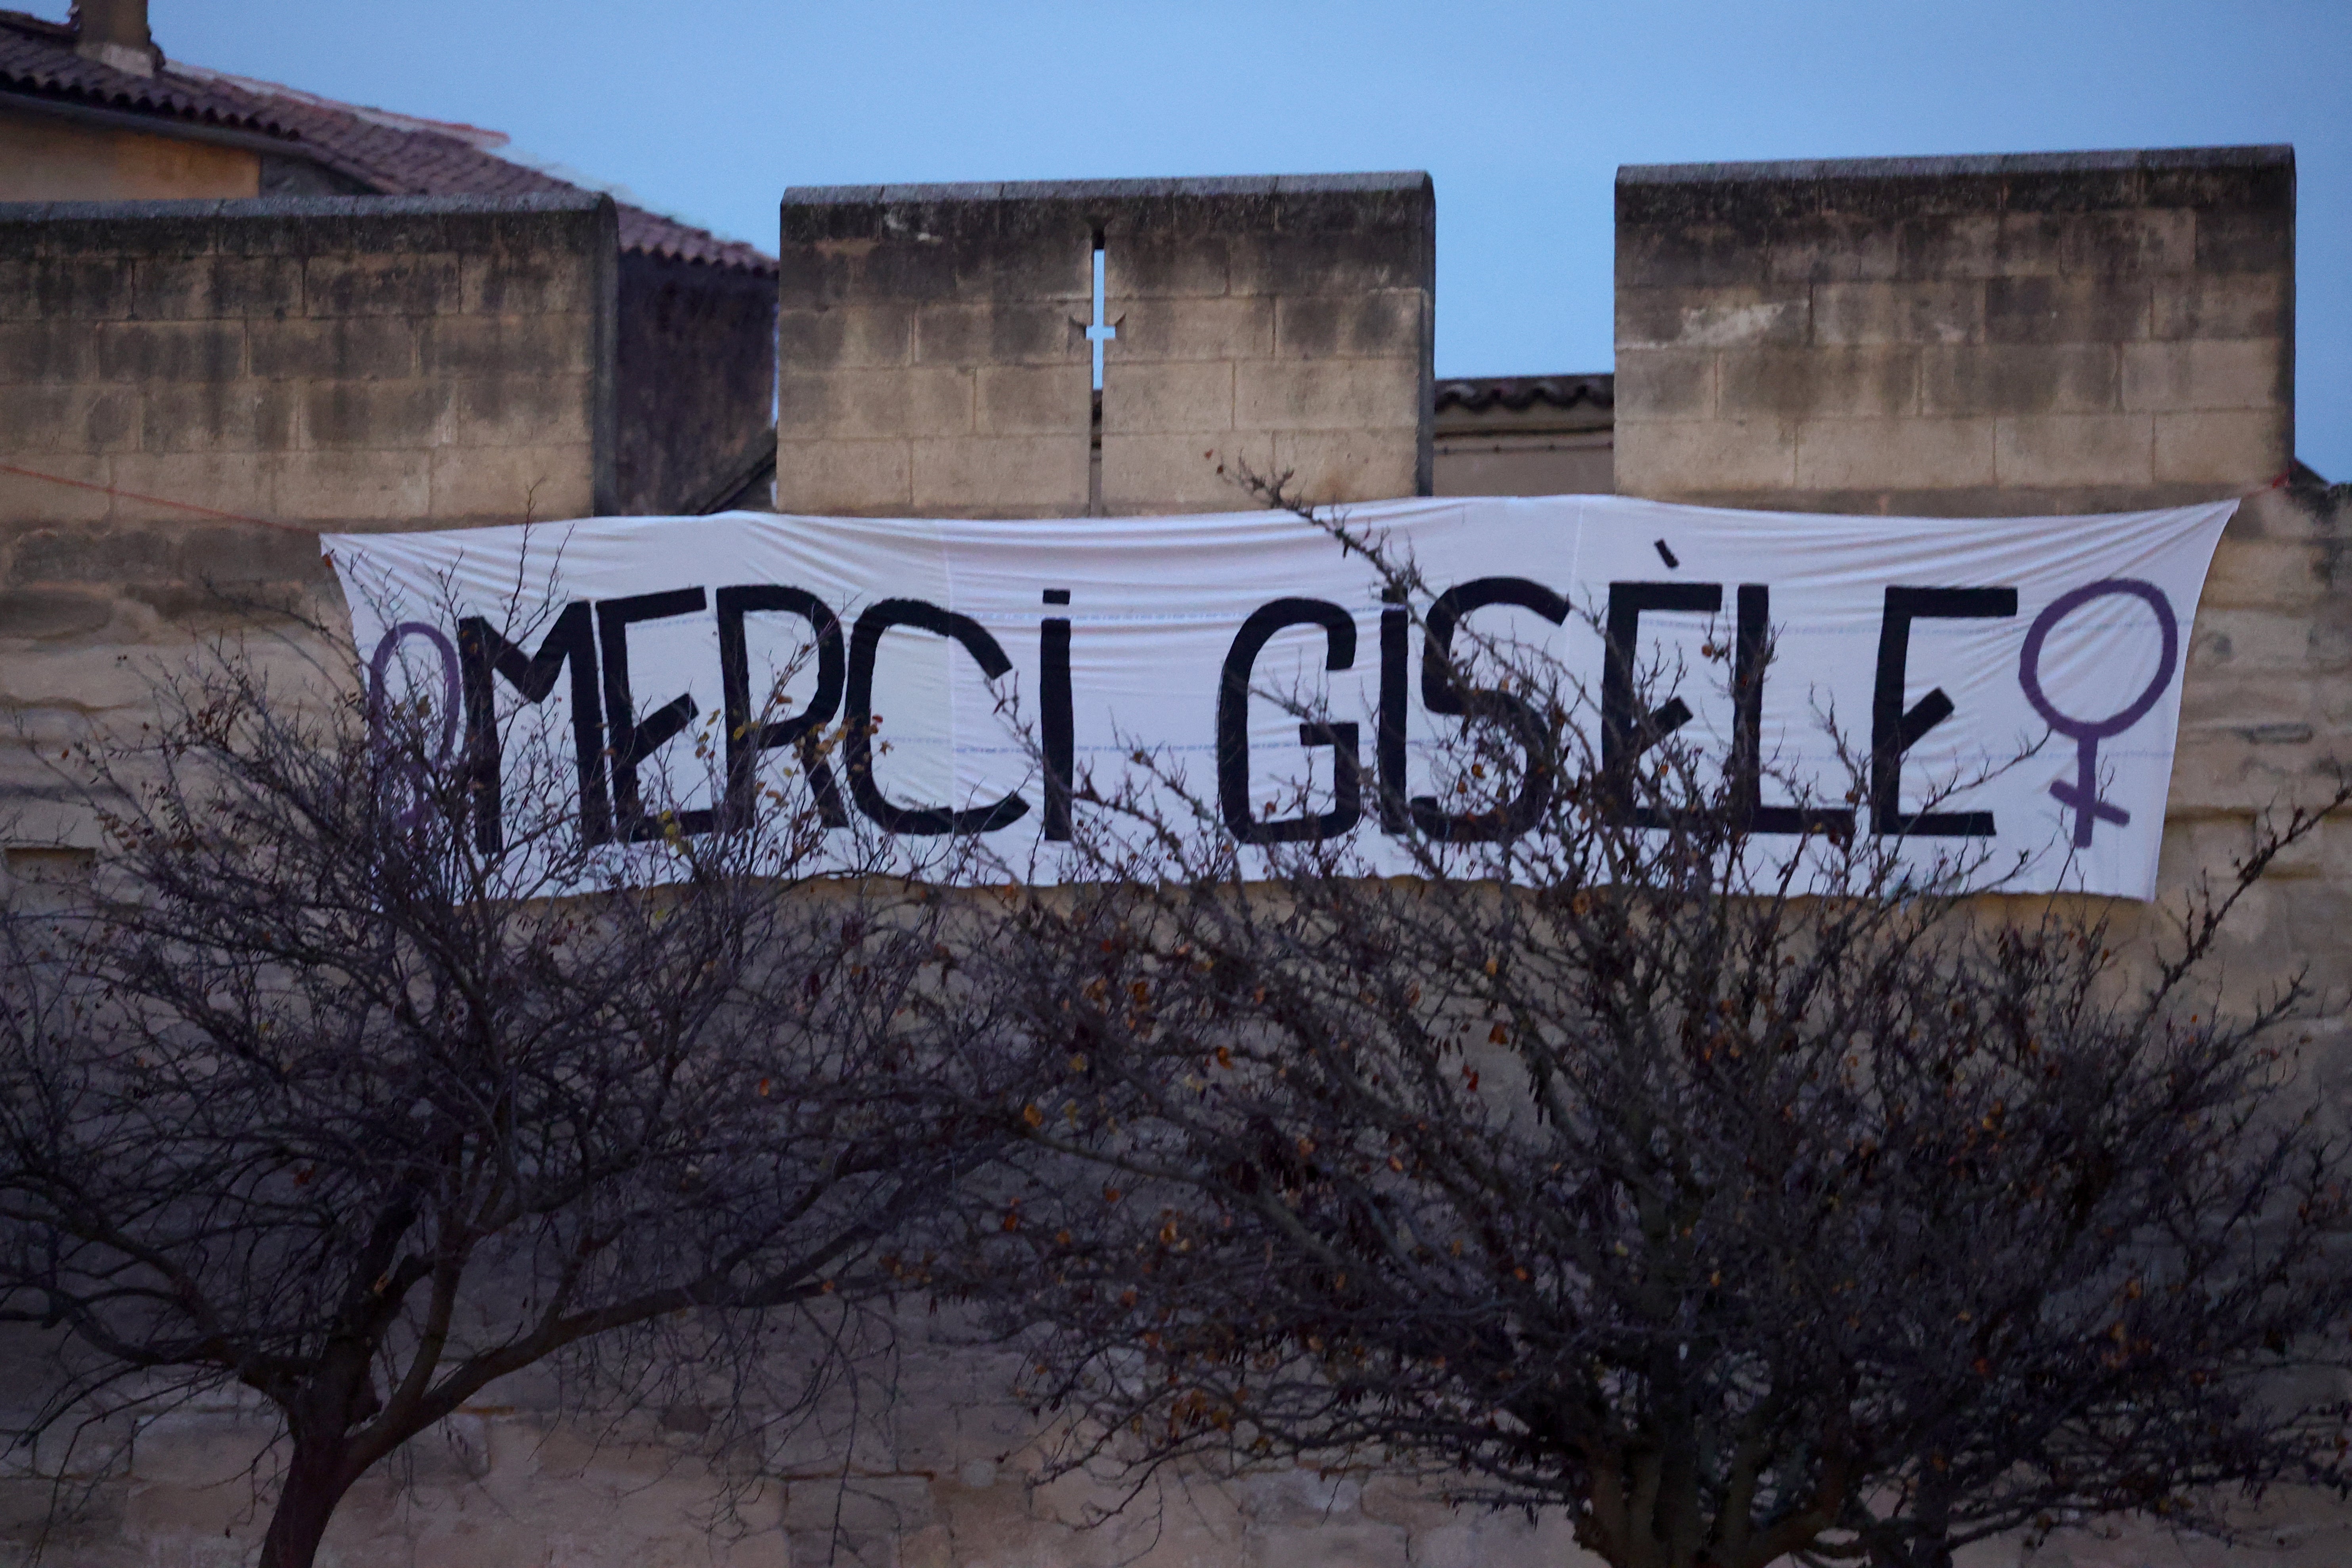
(934, 357)
(192, 391)
(2048, 333)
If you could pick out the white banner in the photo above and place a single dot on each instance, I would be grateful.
(2012, 684)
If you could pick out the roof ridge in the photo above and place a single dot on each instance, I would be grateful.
(479, 137)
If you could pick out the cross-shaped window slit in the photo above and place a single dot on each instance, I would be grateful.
(1101, 330)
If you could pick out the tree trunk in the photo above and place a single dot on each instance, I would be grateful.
(314, 1485)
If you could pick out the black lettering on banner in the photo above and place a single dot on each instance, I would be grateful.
(1893, 730)
(1056, 721)
(1233, 727)
(1387, 737)
(481, 650)
(748, 736)
(1625, 734)
(858, 720)
(1442, 694)
(1750, 657)
(635, 739)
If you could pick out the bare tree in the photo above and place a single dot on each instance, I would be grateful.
(368, 1076)
(1749, 1196)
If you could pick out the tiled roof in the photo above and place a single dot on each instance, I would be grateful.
(37, 57)
(1519, 393)
(391, 154)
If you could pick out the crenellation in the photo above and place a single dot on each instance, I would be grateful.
(1232, 309)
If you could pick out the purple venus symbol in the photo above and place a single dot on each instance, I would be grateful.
(412, 770)
(2082, 794)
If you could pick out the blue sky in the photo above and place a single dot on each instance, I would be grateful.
(1521, 111)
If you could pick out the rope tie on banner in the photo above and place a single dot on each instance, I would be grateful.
(159, 501)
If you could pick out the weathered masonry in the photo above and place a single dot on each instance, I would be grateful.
(192, 391)
(936, 344)
(207, 385)
(1957, 336)
(2046, 333)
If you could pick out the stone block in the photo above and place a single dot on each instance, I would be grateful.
(350, 486)
(1960, 245)
(1714, 256)
(210, 288)
(1865, 381)
(64, 486)
(2075, 449)
(1033, 399)
(1010, 333)
(171, 350)
(1668, 458)
(526, 282)
(863, 1505)
(2229, 449)
(828, 273)
(241, 415)
(36, 613)
(148, 482)
(2254, 642)
(1335, 262)
(1352, 394)
(1176, 471)
(1712, 318)
(1893, 454)
(47, 350)
(867, 404)
(379, 284)
(2292, 576)
(1665, 384)
(1389, 324)
(1176, 396)
(2247, 240)
(1342, 465)
(1163, 266)
(45, 288)
(215, 551)
(2207, 373)
(2099, 244)
(1930, 311)
(60, 416)
(2222, 305)
(2065, 309)
(1000, 476)
(521, 411)
(851, 478)
(845, 337)
(513, 484)
(507, 345)
(1824, 250)
(1329, 1544)
(2017, 378)
(390, 414)
(349, 349)
(1156, 329)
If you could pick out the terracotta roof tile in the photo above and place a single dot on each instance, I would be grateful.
(391, 154)
(1518, 392)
